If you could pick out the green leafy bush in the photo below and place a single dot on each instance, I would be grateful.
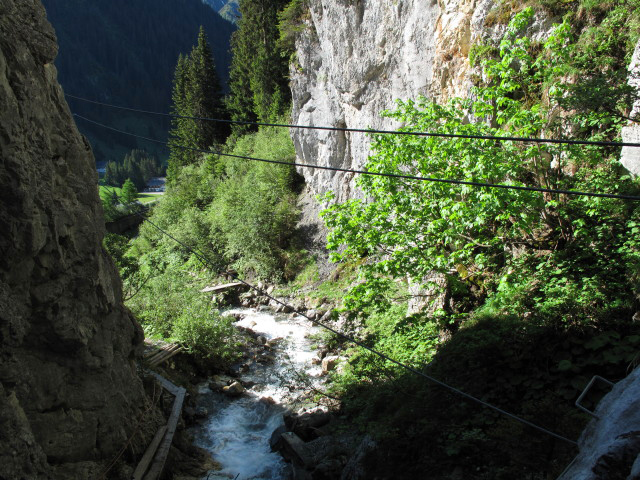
(254, 207)
(205, 333)
(570, 257)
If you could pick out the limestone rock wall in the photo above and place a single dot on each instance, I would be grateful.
(630, 156)
(610, 445)
(356, 57)
(69, 392)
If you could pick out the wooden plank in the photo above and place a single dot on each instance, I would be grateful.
(165, 445)
(157, 353)
(161, 355)
(166, 357)
(163, 351)
(222, 288)
(143, 465)
(170, 387)
(163, 358)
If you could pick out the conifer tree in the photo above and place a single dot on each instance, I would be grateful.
(196, 93)
(178, 156)
(259, 69)
(129, 192)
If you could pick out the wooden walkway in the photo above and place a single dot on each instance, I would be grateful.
(161, 353)
(154, 458)
(224, 288)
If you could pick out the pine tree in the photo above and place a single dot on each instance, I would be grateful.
(259, 68)
(204, 93)
(196, 93)
(179, 126)
(111, 174)
(129, 193)
(132, 169)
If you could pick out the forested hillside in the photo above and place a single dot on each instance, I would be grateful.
(125, 52)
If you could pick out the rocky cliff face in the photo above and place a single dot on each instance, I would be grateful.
(355, 58)
(69, 393)
(610, 445)
(630, 157)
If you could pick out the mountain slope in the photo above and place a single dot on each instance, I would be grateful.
(125, 52)
(228, 9)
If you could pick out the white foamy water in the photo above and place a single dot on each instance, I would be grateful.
(237, 431)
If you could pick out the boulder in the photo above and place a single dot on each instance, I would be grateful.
(293, 448)
(275, 436)
(266, 358)
(307, 424)
(218, 382)
(234, 390)
(355, 469)
(329, 363)
(200, 412)
(610, 445)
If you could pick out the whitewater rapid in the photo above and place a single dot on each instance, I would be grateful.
(237, 431)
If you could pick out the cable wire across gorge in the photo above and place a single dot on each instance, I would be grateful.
(563, 141)
(367, 172)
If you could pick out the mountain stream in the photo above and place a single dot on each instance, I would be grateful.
(237, 430)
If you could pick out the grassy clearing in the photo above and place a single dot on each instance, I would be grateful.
(148, 197)
(107, 191)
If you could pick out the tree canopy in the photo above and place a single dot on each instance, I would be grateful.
(196, 93)
(258, 80)
(482, 240)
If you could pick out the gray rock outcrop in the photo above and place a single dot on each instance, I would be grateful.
(354, 59)
(610, 445)
(69, 392)
(630, 156)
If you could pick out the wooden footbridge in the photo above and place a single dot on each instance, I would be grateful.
(159, 352)
(152, 462)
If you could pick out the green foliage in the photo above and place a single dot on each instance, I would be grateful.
(533, 371)
(110, 203)
(137, 165)
(254, 208)
(240, 214)
(258, 81)
(290, 24)
(485, 237)
(129, 192)
(196, 93)
(205, 333)
(170, 305)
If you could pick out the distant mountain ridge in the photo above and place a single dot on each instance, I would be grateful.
(125, 52)
(228, 9)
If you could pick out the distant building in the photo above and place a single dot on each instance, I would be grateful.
(156, 184)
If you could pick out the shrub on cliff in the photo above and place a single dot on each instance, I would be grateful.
(563, 258)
